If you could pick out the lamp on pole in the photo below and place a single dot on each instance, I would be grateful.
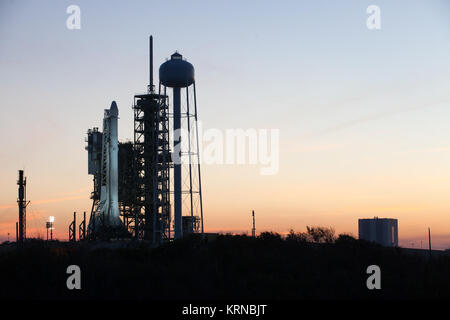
(49, 225)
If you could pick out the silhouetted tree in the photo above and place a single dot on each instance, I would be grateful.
(229, 267)
(270, 236)
(321, 234)
(300, 237)
(345, 238)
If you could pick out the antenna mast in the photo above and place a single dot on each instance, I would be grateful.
(151, 86)
(429, 240)
(253, 229)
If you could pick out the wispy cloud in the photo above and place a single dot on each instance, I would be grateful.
(59, 199)
(368, 118)
(316, 148)
(63, 197)
(8, 206)
(436, 149)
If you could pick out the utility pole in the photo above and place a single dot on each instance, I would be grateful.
(429, 240)
(253, 229)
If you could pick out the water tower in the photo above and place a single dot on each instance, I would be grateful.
(177, 75)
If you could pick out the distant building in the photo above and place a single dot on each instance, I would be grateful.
(380, 230)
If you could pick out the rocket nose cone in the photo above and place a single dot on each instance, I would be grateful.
(114, 111)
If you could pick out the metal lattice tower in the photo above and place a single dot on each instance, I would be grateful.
(22, 203)
(151, 210)
(153, 162)
(126, 184)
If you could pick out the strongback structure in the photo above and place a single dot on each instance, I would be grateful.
(127, 185)
(94, 148)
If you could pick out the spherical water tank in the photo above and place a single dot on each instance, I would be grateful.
(176, 72)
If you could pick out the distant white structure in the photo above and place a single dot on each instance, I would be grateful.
(383, 231)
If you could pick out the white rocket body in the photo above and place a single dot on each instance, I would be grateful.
(109, 194)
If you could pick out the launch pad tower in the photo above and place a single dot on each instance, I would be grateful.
(149, 173)
(151, 219)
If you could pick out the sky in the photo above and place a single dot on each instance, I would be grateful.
(362, 114)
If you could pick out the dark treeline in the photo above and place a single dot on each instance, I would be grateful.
(310, 265)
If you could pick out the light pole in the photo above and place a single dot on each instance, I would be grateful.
(50, 226)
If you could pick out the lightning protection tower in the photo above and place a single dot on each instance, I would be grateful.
(178, 75)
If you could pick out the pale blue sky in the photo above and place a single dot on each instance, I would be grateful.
(310, 68)
(307, 57)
